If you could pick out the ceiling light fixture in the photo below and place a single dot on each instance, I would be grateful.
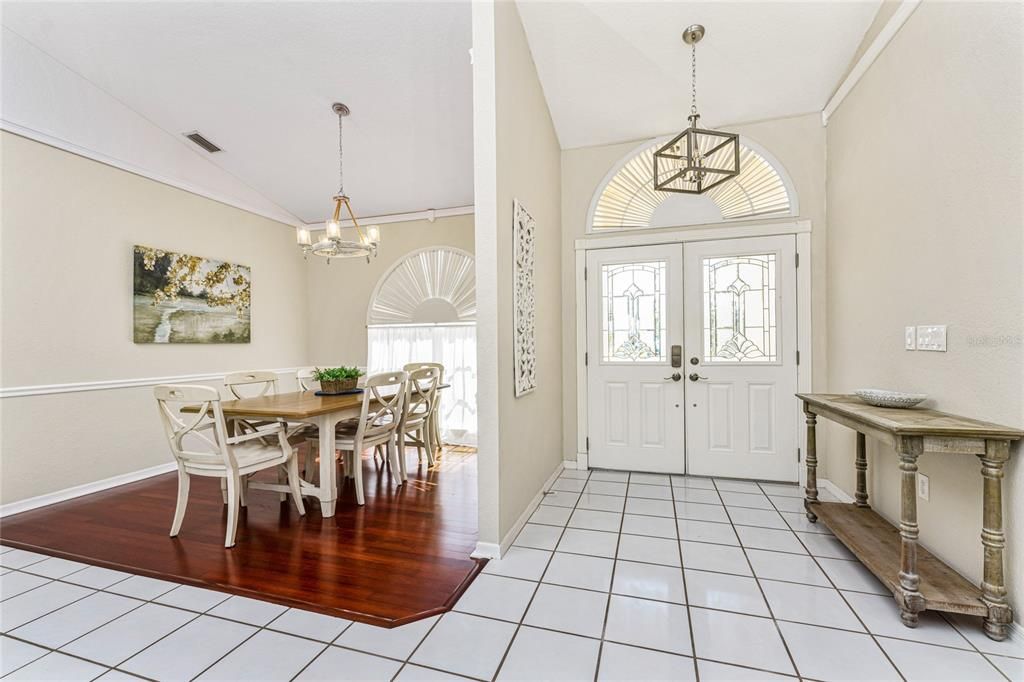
(331, 244)
(696, 159)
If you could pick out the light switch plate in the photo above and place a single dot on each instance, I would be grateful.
(923, 488)
(931, 337)
(911, 338)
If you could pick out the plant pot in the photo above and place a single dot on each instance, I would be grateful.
(338, 385)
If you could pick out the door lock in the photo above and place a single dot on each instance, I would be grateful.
(696, 377)
(676, 376)
(694, 360)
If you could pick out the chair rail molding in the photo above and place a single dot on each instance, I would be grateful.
(111, 384)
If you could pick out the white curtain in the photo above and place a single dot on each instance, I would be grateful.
(454, 346)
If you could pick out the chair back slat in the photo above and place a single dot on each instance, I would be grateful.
(205, 428)
(304, 377)
(382, 410)
(251, 384)
(413, 366)
(421, 394)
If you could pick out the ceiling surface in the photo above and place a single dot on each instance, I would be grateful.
(617, 71)
(258, 80)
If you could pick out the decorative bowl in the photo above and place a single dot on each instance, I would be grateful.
(881, 398)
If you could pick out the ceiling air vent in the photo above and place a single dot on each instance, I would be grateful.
(202, 141)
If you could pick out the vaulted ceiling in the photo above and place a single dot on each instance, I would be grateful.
(617, 71)
(258, 79)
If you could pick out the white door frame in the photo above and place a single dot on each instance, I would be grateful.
(800, 228)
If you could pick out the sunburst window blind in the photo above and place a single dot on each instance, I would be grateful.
(629, 200)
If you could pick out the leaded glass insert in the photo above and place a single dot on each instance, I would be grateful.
(739, 309)
(633, 312)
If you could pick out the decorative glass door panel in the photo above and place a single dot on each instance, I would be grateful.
(633, 312)
(739, 308)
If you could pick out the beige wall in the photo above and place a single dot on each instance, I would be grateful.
(528, 156)
(339, 293)
(799, 145)
(926, 227)
(517, 156)
(68, 227)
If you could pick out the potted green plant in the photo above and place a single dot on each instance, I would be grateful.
(337, 379)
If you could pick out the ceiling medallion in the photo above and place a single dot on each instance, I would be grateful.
(696, 159)
(330, 243)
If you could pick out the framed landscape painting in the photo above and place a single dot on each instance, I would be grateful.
(180, 298)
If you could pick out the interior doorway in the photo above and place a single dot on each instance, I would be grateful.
(692, 358)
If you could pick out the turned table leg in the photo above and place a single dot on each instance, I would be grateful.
(861, 495)
(993, 539)
(811, 490)
(909, 596)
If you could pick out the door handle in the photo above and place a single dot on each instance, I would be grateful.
(696, 377)
(676, 376)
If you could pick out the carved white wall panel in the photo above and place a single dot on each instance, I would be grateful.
(524, 308)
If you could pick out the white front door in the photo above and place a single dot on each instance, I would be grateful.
(634, 318)
(740, 353)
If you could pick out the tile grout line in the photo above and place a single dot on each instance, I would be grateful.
(540, 580)
(764, 597)
(856, 615)
(686, 591)
(611, 582)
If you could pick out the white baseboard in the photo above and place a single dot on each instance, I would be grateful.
(581, 463)
(486, 550)
(84, 489)
(829, 486)
(489, 550)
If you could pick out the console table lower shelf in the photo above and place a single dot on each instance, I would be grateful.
(876, 542)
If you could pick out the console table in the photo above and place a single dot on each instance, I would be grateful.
(917, 579)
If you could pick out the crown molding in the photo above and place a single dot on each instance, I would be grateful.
(429, 214)
(64, 145)
(880, 42)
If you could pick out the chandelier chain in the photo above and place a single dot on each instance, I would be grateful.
(693, 78)
(341, 164)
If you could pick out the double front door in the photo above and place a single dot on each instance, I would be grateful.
(691, 360)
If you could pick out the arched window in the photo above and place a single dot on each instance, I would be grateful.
(424, 310)
(627, 198)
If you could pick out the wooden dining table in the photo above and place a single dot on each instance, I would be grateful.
(322, 411)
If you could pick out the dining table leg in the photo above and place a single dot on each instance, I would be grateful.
(328, 492)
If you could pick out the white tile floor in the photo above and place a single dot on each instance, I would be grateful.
(615, 577)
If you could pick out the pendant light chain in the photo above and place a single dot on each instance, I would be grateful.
(697, 159)
(341, 162)
(693, 78)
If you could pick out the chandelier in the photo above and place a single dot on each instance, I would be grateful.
(331, 243)
(696, 159)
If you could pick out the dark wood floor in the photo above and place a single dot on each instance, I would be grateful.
(403, 556)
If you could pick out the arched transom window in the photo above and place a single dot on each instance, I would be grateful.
(432, 286)
(628, 199)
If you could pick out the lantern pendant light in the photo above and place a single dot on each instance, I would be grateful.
(696, 159)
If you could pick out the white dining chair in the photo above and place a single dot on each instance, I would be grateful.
(306, 382)
(379, 416)
(435, 417)
(201, 446)
(415, 427)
